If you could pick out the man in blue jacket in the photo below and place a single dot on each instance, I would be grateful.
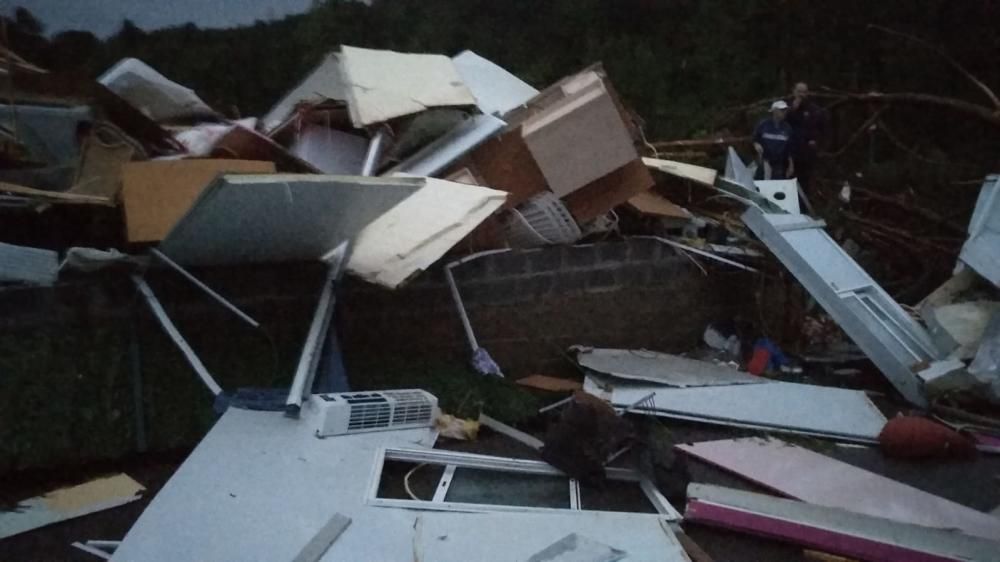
(809, 124)
(772, 139)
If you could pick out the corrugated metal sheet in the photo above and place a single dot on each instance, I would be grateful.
(243, 219)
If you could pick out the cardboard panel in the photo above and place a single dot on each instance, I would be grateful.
(505, 163)
(598, 197)
(156, 194)
(579, 140)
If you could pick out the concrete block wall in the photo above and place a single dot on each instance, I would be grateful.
(528, 306)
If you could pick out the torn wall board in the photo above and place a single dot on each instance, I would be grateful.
(156, 194)
(804, 475)
(382, 85)
(244, 144)
(697, 174)
(418, 231)
(661, 368)
(982, 249)
(440, 153)
(579, 139)
(831, 529)
(828, 412)
(877, 324)
(153, 93)
(322, 84)
(496, 90)
(245, 219)
(21, 264)
(654, 204)
(67, 503)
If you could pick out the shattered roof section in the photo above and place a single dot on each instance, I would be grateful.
(153, 93)
(496, 90)
(382, 85)
(323, 83)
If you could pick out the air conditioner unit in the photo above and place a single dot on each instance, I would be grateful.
(354, 412)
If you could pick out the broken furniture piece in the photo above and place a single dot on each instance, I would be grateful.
(68, 503)
(878, 325)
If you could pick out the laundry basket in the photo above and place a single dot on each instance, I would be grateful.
(541, 220)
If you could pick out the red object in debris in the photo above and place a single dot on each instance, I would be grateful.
(912, 437)
(758, 363)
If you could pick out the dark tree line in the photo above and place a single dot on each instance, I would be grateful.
(679, 63)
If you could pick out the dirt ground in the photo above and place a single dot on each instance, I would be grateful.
(974, 483)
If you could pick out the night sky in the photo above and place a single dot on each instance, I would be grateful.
(104, 17)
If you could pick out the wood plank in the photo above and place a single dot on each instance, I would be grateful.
(156, 194)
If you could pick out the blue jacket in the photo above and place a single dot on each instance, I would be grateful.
(776, 138)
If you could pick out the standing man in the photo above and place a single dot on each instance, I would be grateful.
(772, 139)
(809, 125)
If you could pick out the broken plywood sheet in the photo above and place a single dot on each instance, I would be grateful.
(248, 219)
(697, 174)
(553, 384)
(831, 529)
(661, 368)
(579, 139)
(504, 162)
(600, 196)
(496, 90)
(418, 231)
(654, 204)
(156, 194)
(67, 503)
(382, 85)
(323, 83)
(22, 264)
(776, 406)
(804, 475)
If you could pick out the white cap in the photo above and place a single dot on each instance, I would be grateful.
(780, 104)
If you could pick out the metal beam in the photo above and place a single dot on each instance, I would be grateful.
(168, 326)
(208, 290)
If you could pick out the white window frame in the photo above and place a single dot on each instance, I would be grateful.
(452, 460)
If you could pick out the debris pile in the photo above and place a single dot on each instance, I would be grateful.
(379, 165)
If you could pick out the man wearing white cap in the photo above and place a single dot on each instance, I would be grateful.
(773, 141)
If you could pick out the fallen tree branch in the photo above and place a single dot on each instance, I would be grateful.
(704, 143)
(980, 112)
(939, 52)
(909, 207)
(859, 132)
(881, 229)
